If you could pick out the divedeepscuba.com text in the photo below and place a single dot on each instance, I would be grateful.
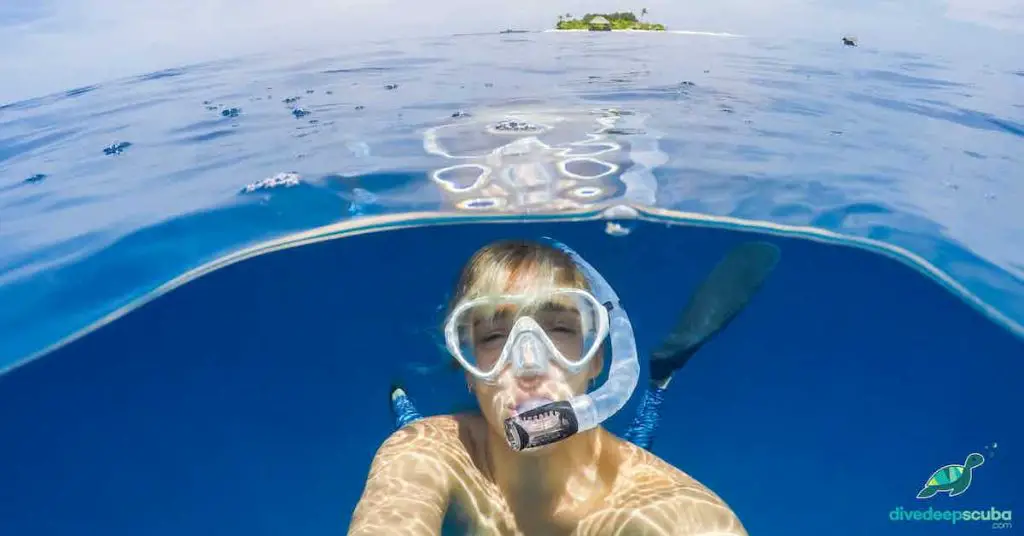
(1000, 519)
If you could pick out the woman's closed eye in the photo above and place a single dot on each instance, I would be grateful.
(492, 337)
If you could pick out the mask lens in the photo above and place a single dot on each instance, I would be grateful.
(568, 320)
(483, 329)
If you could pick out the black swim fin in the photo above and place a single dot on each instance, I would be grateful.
(722, 295)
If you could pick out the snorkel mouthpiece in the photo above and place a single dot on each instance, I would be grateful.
(556, 421)
(541, 426)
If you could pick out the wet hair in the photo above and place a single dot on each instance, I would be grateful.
(499, 266)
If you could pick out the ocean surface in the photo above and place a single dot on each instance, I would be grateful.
(209, 275)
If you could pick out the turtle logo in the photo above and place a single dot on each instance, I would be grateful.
(953, 479)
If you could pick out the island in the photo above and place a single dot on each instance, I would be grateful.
(625, 20)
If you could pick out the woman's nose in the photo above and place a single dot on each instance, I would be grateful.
(530, 356)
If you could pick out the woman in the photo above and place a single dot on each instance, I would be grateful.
(529, 330)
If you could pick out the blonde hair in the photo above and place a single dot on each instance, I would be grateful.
(501, 265)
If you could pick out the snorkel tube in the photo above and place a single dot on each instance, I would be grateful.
(558, 420)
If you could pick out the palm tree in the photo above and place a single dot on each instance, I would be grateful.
(643, 12)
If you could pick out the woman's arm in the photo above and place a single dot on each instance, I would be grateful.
(407, 491)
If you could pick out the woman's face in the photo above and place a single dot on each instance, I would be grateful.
(506, 395)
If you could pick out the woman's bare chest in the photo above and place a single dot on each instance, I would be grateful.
(483, 509)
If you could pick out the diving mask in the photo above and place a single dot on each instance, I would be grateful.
(565, 327)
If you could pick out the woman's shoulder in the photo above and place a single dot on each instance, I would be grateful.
(437, 435)
(639, 462)
(643, 468)
(435, 428)
(674, 498)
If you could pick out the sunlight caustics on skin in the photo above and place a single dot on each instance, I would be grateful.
(405, 468)
(659, 499)
(442, 462)
(431, 450)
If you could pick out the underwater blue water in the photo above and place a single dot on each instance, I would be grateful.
(251, 400)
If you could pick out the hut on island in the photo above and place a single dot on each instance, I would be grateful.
(599, 24)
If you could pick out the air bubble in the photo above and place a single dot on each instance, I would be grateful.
(616, 214)
(617, 229)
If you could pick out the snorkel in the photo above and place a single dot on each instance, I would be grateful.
(556, 421)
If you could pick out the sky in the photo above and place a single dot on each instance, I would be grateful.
(53, 45)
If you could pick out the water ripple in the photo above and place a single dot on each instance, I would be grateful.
(890, 145)
(968, 118)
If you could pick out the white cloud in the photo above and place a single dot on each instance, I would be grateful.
(51, 45)
(996, 14)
